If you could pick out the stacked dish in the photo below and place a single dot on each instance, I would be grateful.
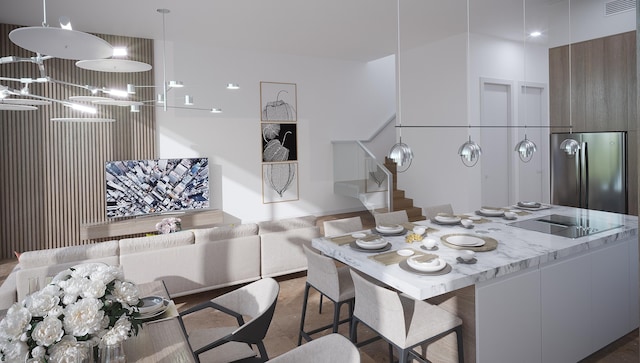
(371, 244)
(152, 306)
(491, 212)
(531, 206)
(426, 263)
(464, 240)
(444, 218)
(390, 228)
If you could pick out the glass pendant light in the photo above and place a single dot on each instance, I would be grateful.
(470, 151)
(400, 153)
(525, 148)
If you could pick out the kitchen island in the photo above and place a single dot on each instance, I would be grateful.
(537, 297)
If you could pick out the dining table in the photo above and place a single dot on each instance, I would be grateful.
(162, 338)
(518, 277)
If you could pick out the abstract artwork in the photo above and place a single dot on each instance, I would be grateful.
(278, 102)
(279, 182)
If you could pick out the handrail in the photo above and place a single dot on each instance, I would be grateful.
(386, 172)
(380, 129)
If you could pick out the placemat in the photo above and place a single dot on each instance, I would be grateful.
(392, 257)
(355, 247)
(489, 243)
(405, 266)
(343, 240)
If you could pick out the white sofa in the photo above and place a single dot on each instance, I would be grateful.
(188, 261)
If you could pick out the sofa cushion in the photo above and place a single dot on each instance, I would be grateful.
(287, 224)
(281, 252)
(155, 242)
(225, 232)
(54, 256)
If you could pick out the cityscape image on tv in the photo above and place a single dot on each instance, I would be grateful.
(136, 187)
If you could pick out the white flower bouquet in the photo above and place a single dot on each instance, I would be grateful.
(84, 306)
(169, 225)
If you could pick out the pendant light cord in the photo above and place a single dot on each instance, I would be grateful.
(399, 107)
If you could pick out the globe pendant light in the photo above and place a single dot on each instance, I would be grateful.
(570, 146)
(525, 149)
(400, 153)
(470, 153)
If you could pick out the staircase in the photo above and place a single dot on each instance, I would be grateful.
(400, 202)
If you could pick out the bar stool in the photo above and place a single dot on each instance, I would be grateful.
(330, 281)
(402, 321)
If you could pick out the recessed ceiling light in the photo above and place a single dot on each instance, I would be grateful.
(120, 51)
(233, 86)
(216, 110)
(535, 34)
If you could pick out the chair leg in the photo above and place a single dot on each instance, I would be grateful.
(460, 345)
(263, 352)
(320, 306)
(304, 311)
(353, 330)
(336, 316)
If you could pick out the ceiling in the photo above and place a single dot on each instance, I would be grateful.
(359, 30)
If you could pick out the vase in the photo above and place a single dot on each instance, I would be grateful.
(112, 353)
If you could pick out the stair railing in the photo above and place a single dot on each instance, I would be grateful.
(359, 174)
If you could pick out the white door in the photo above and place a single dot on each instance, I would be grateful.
(531, 178)
(495, 113)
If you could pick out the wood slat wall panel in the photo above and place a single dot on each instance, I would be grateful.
(52, 173)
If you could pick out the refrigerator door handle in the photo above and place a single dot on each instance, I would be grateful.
(584, 175)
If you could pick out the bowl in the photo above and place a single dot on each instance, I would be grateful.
(467, 223)
(419, 230)
(467, 255)
(151, 304)
(429, 243)
(510, 215)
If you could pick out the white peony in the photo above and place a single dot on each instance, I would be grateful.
(93, 289)
(47, 331)
(15, 322)
(126, 293)
(83, 317)
(41, 302)
(67, 350)
(13, 351)
(118, 333)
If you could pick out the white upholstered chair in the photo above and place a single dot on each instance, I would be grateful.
(397, 217)
(330, 281)
(332, 348)
(342, 226)
(433, 211)
(402, 321)
(255, 301)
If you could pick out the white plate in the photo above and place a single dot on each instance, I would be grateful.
(165, 306)
(465, 241)
(358, 235)
(426, 266)
(151, 305)
(492, 212)
(371, 245)
(405, 252)
(390, 229)
(529, 204)
(443, 219)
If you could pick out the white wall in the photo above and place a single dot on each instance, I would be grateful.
(434, 93)
(336, 100)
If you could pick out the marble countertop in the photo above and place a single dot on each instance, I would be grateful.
(518, 249)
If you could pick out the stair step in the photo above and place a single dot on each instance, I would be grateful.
(403, 203)
(398, 194)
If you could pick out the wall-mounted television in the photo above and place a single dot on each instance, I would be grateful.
(136, 187)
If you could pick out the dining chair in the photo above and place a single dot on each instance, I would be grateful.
(405, 323)
(341, 226)
(433, 211)
(330, 281)
(255, 301)
(332, 348)
(397, 217)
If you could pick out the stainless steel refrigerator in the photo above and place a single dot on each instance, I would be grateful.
(595, 177)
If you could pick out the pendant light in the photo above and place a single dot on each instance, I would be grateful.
(400, 153)
(525, 148)
(470, 151)
(569, 145)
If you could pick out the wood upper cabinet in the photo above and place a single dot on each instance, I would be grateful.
(600, 83)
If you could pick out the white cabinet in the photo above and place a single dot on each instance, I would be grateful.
(508, 318)
(559, 312)
(566, 306)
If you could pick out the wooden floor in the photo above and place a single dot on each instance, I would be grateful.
(283, 332)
